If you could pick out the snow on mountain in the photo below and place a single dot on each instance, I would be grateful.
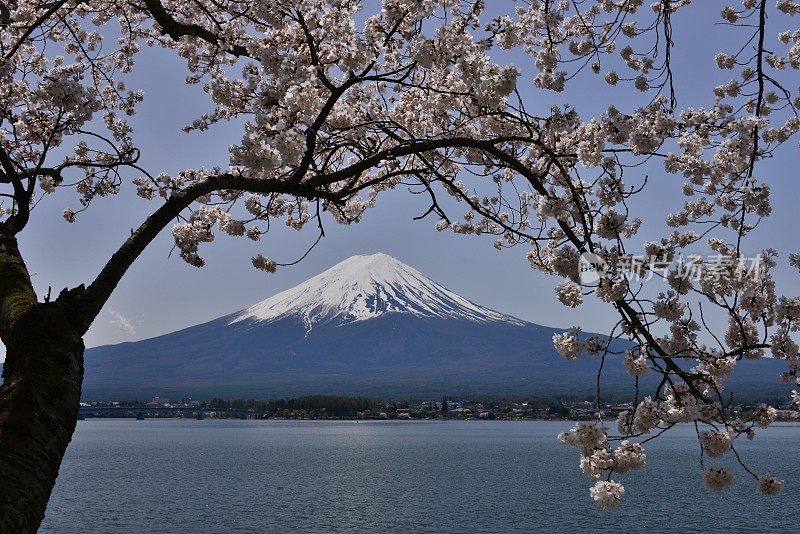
(364, 287)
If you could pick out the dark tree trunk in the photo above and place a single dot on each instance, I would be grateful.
(40, 394)
(38, 410)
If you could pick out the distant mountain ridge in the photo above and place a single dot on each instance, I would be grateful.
(370, 325)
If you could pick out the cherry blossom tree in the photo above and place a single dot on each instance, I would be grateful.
(341, 100)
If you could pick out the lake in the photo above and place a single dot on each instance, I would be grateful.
(181, 475)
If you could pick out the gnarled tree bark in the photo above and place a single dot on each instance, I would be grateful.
(40, 394)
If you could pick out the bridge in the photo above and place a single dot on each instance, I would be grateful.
(141, 411)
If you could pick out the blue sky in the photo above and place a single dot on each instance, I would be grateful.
(162, 294)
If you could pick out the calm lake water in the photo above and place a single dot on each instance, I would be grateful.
(193, 476)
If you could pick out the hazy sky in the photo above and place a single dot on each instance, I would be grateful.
(162, 294)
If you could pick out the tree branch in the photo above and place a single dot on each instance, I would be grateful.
(22, 196)
(176, 29)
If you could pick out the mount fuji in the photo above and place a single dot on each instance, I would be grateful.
(370, 325)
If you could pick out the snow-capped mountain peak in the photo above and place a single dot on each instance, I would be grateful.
(364, 287)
